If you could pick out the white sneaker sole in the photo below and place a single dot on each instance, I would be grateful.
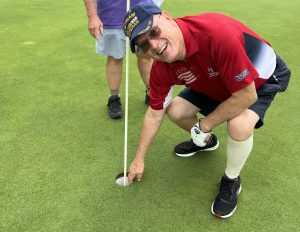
(228, 215)
(193, 153)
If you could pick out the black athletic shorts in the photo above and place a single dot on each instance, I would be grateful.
(278, 82)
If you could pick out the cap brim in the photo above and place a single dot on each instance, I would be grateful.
(136, 32)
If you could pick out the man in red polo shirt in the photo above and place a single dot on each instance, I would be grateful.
(230, 73)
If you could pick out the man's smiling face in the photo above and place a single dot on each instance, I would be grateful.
(164, 41)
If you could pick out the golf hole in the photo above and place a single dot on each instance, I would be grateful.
(121, 180)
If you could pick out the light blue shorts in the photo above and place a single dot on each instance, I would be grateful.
(112, 43)
(158, 2)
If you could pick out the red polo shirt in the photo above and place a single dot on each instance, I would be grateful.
(217, 63)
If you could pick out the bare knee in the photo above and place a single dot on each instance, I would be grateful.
(111, 60)
(238, 131)
(241, 127)
(173, 112)
(180, 109)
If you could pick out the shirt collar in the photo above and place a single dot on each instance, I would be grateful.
(191, 45)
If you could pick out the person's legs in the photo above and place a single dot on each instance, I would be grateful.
(114, 74)
(112, 45)
(239, 145)
(114, 77)
(144, 65)
(240, 141)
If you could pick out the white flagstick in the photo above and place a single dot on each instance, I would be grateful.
(126, 102)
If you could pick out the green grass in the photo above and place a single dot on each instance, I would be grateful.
(60, 152)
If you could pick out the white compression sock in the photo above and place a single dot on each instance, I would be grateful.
(237, 154)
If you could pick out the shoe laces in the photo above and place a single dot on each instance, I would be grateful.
(189, 144)
(114, 103)
(226, 189)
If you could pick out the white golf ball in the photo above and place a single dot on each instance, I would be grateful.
(121, 180)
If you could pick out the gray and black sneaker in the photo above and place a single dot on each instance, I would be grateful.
(114, 107)
(188, 148)
(225, 203)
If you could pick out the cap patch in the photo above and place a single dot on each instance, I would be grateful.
(130, 25)
(146, 29)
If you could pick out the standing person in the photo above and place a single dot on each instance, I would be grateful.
(105, 22)
(231, 75)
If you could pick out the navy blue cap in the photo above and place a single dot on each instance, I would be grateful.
(139, 20)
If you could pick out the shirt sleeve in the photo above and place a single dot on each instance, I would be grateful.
(160, 87)
(235, 67)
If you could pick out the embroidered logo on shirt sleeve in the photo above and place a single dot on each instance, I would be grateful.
(242, 75)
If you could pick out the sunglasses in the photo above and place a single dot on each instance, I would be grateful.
(145, 45)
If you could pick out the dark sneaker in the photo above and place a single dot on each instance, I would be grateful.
(114, 107)
(147, 98)
(226, 201)
(188, 148)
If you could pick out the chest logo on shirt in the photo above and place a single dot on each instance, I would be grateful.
(186, 75)
(212, 73)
